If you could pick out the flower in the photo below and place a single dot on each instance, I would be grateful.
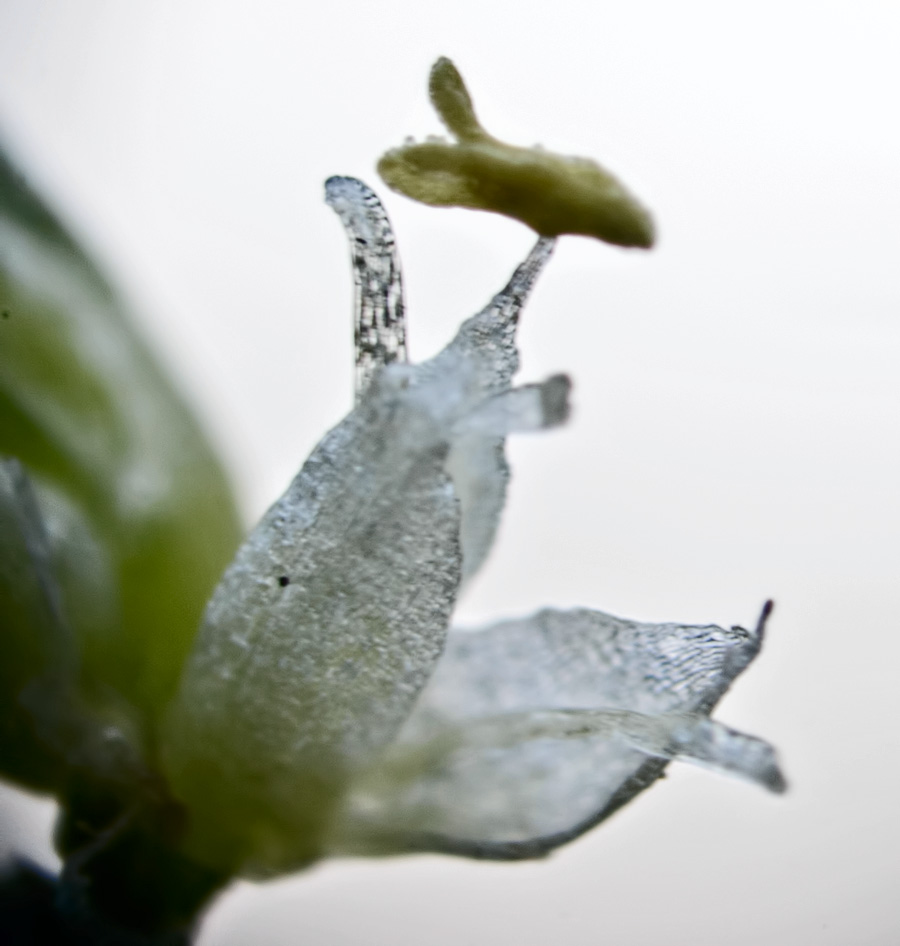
(327, 707)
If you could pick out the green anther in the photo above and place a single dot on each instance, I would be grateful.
(551, 193)
(451, 100)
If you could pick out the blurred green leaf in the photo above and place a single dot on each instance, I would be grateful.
(140, 517)
(38, 669)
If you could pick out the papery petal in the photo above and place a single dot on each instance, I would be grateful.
(477, 463)
(521, 410)
(379, 324)
(488, 340)
(324, 629)
(534, 730)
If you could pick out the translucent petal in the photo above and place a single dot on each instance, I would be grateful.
(477, 465)
(520, 410)
(476, 462)
(532, 731)
(329, 621)
(379, 324)
(488, 340)
(325, 627)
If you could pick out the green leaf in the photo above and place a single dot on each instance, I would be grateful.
(141, 518)
(38, 667)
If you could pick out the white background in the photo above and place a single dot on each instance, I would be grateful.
(736, 431)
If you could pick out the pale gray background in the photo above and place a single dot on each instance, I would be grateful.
(736, 431)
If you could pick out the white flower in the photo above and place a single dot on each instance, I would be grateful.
(328, 708)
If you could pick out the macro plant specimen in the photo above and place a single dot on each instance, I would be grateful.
(318, 703)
